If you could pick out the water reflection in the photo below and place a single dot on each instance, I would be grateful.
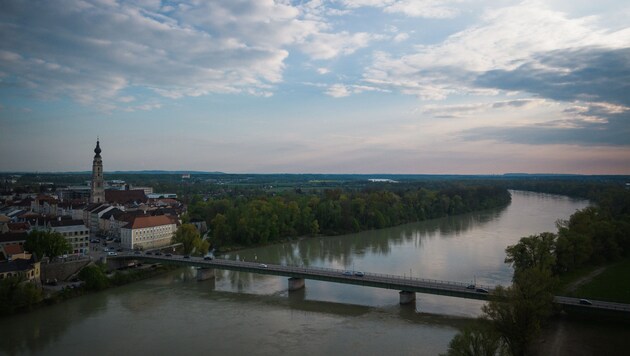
(34, 331)
(343, 250)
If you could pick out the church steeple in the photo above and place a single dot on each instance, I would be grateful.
(97, 150)
(98, 186)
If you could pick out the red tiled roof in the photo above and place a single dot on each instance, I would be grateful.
(17, 227)
(13, 249)
(125, 196)
(140, 222)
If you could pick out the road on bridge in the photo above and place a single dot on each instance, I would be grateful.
(454, 289)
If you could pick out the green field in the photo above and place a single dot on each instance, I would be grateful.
(613, 284)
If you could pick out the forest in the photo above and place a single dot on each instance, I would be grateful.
(265, 218)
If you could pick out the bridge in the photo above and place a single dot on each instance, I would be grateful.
(407, 286)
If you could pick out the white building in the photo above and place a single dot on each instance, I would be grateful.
(75, 232)
(146, 232)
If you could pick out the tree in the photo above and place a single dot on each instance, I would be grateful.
(479, 339)
(536, 251)
(16, 293)
(94, 277)
(46, 243)
(189, 237)
(517, 312)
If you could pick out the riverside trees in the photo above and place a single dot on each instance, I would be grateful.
(260, 219)
(591, 236)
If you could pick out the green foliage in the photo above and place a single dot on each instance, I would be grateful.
(536, 251)
(189, 237)
(261, 219)
(518, 312)
(17, 294)
(94, 277)
(612, 284)
(479, 339)
(46, 243)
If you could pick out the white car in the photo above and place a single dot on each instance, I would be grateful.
(112, 253)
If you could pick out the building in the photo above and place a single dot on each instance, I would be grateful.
(75, 232)
(125, 197)
(45, 205)
(30, 269)
(146, 232)
(98, 186)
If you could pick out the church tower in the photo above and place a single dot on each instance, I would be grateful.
(98, 188)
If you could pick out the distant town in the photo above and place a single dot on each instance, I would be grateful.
(100, 217)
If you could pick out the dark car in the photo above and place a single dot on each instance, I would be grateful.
(347, 273)
(207, 258)
(187, 256)
(168, 255)
(148, 253)
(136, 252)
(471, 286)
(585, 302)
(158, 253)
(482, 290)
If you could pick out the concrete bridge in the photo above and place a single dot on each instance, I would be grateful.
(407, 286)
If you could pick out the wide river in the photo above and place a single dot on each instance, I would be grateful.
(246, 314)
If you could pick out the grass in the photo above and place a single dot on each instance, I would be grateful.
(612, 285)
(566, 279)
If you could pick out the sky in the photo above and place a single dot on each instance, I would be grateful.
(321, 86)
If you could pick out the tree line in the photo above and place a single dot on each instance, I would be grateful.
(514, 316)
(264, 218)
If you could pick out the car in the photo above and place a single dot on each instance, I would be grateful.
(347, 273)
(207, 258)
(482, 290)
(471, 286)
(158, 253)
(112, 253)
(148, 253)
(263, 265)
(119, 250)
(136, 252)
(359, 274)
(585, 302)
(186, 256)
(106, 249)
(168, 255)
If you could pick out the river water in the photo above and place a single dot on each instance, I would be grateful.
(242, 313)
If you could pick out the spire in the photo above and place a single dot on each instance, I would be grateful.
(97, 150)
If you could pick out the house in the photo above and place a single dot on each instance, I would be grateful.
(45, 205)
(14, 252)
(125, 197)
(30, 269)
(75, 232)
(145, 232)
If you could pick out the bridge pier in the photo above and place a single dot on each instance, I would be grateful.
(296, 283)
(407, 297)
(204, 274)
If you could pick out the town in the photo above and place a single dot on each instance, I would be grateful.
(98, 219)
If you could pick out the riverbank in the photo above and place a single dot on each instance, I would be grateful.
(65, 291)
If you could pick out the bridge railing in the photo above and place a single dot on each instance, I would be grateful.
(392, 276)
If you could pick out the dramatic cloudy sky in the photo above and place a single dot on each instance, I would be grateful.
(329, 86)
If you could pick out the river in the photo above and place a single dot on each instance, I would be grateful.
(242, 313)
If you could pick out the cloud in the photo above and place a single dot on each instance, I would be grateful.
(92, 51)
(591, 73)
(503, 40)
(437, 9)
(342, 90)
(330, 45)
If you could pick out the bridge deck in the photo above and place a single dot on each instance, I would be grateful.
(430, 286)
